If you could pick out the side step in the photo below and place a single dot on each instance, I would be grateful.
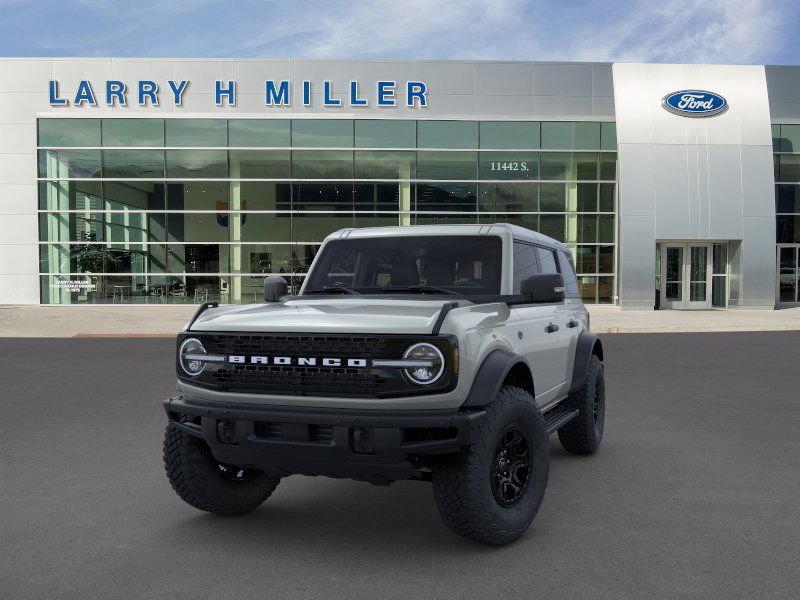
(558, 416)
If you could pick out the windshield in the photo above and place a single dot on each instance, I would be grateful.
(467, 265)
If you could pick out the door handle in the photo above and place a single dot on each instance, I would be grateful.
(551, 328)
(572, 323)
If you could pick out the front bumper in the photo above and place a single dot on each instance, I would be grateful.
(379, 447)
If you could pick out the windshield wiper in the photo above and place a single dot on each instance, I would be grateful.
(419, 289)
(332, 289)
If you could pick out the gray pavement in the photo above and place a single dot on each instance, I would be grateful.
(694, 494)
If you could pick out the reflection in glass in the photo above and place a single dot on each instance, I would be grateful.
(62, 164)
(122, 164)
(446, 197)
(447, 134)
(322, 164)
(133, 132)
(196, 132)
(508, 197)
(259, 133)
(260, 164)
(199, 164)
(322, 196)
(513, 134)
(447, 165)
(69, 132)
(322, 133)
(385, 133)
(198, 195)
(385, 165)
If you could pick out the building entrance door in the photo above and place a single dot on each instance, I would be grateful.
(686, 275)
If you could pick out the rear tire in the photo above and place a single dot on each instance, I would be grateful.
(584, 433)
(491, 491)
(204, 483)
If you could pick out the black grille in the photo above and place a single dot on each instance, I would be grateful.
(318, 380)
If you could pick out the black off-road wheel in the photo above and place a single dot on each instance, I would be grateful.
(583, 434)
(491, 491)
(208, 485)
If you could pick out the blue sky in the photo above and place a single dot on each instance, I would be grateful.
(690, 31)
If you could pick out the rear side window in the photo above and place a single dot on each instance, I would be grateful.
(570, 280)
(547, 260)
(525, 264)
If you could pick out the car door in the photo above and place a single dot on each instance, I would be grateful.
(575, 311)
(537, 322)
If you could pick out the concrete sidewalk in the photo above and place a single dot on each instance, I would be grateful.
(167, 320)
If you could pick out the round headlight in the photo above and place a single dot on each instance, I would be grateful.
(187, 357)
(425, 353)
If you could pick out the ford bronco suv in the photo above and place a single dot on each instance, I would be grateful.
(441, 353)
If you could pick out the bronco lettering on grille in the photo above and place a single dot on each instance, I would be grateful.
(297, 361)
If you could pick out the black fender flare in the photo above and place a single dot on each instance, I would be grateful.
(588, 344)
(490, 376)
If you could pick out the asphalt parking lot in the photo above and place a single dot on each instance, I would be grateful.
(694, 494)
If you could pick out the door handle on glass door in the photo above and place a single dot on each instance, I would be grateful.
(551, 328)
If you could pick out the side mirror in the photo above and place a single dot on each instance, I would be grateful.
(275, 286)
(544, 288)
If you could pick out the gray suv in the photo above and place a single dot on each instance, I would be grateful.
(441, 353)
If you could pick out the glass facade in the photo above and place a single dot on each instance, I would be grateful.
(786, 149)
(192, 210)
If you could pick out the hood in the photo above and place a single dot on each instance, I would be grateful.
(327, 315)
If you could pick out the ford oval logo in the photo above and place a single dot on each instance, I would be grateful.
(695, 103)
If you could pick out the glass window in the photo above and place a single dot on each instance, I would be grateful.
(525, 264)
(587, 136)
(788, 229)
(509, 134)
(585, 166)
(446, 197)
(469, 265)
(608, 136)
(447, 165)
(264, 227)
(568, 270)
(608, 166)
(385, 165)
(558, 135)
(322, 164)
(196, 132)
(69, 132)
(587, 229)
(787, 198)
(198, 195)
(586, 259)
(790, 138)
(197, 258)
(428, 218)
(588, 285)
(133, 132)
(553, 197)
(447, 134)
(75, 227)
(508, 165)
(316, 226)
(70, 195)
(554, 226)
(547, 260)
(605, 229)
(385, 133)
(587, 197)
(556, 165)
(267, 258)
(605, 290)
(198, 164)
(259, 133)
(133, 195)
(789, 169)
(508, 197)
(381, 197)
(198, 227)
(606, 197)
(262, 195)
(776, 138)
(322, 133)
(720, 259)
(260, 164)
(62, 164)
(322, 197)
(121, 164)
(527, 221)
(605, 256)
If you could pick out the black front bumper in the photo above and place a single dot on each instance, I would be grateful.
(373, 446)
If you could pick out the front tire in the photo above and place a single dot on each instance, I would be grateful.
(491, 491)
(583, 434)
(208, 485)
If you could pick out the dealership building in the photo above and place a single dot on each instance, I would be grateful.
(151, 181)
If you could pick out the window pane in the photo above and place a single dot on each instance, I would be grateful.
(605, 290)
(385, 165)
(197, 163)
(198, 227)
(198, 258)
(133, 163)
(588, 285)
(527, 221)
(514, 134)
(605, 259)
(263, 195)
(446, 197)
(315, 227)
(720, 259)
(585, 166)
(608, 136)
(548, 263)
(320, 164)
(322, 133)
(587, 197)
(553, 226)
(446, 165)
(556, 165)
(776, 138)
(553, 197)
(198, 196)
(196, 132)
(525, 264)
(385, 133)
(133, 195)
(259, 133)
(260, 164)
(511, 197)
(557, 135)
(789, 168)
(322, 196)
(790, 138)
(65, 227)
(61, 164)
(587, 229)
(70, 195)
(447, 134)
(587, 136)
(266, 258)
(787, 198)
(608, 166)
(788, 261)
(586, 259)
(509, 165)
(264, 227)
(788, 229)
(605, 229)
(381, 197)
(444, 219)
(69, 132)
(133, 132)
(606, 197)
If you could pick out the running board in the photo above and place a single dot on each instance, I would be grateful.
(558, 416)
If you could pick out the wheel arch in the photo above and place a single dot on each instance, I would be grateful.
(500, 367)
(588, 345)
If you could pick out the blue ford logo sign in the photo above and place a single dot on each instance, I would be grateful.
(695, 103)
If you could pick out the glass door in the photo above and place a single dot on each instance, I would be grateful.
(686, 275)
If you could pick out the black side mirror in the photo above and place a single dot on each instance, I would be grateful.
(544, 288)
(275, 286)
